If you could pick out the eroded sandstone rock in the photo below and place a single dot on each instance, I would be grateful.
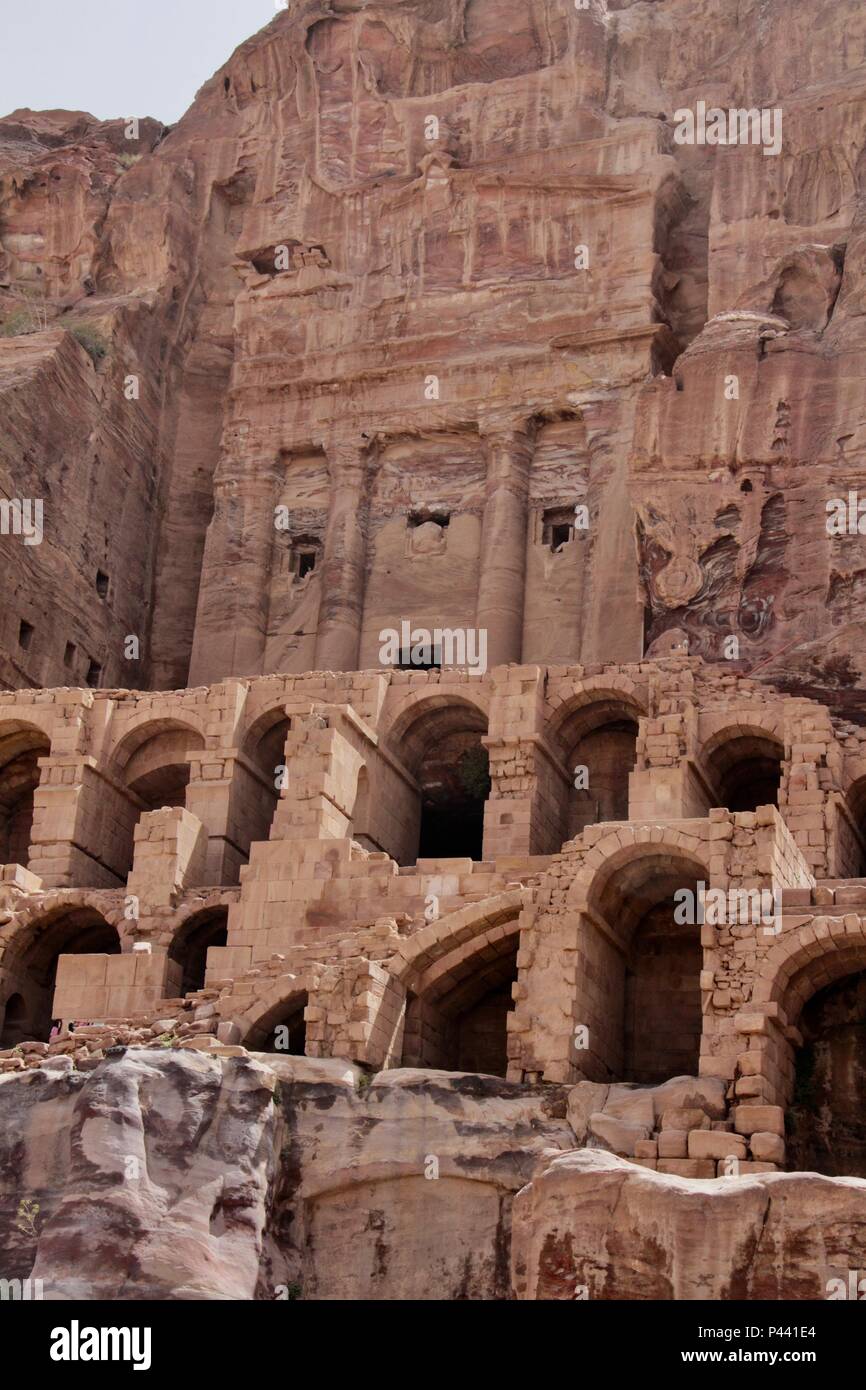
(592, 1225)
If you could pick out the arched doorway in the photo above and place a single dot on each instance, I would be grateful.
(282, 1028)
(597, 743)
(745, 770)
(192, 943)
(265, 747)
(651, 964)
(20, 751)
(155, 769)
(826, 1119)
(442, 748)
(32, 960)
(458, 1019)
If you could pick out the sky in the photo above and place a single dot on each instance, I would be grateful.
(119, 57)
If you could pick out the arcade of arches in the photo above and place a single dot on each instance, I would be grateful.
(444, 794)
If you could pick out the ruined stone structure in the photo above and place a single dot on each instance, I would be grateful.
(170, 897)
(422, 320)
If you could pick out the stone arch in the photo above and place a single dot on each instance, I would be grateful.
(458, 979)
(438, 739)
(617, 692)
(151, 762)
(744, 763)
(630, 844)
(75, 924)
(855, 799)
(594, 733)
(201, 929)
(641, 939)
(147, 726)
(807, 959)
(21, 746)
(263, 751)
(420, 705)
(283, 1003)
(473, 923)
(816, 978)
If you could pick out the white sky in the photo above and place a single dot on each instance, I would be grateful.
(119, 57)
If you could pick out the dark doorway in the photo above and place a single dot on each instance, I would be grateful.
(14, 1022)
(192, 944)
(827, 1116)
(747, 771)
(289, 1034)
(455, 782)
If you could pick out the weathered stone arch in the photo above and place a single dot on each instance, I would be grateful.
(736, 752)
(257, 1020)
(261, 724)
(808, 959)
(593, 733)
(144, 727)
(440, 707)
(634, 844)
(36, 720)
(488, 920)
(199, 928)
(66, 922)
(436, 736)
(804, 1035)
(617, 954)
(459, 990)
(22, 745)
(599, 698)
(28, 921)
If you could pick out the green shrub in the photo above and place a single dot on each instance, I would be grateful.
(92, 340)
(17, 324)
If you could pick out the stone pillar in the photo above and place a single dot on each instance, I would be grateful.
(341, 609)
(502, 578)
(170, 855)
(213, 782)
(78, 817)
(234, 596)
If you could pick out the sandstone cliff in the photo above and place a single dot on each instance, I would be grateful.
(360, 201)
(172, 1174)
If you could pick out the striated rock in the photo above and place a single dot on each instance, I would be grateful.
(144, 1178)
(175, 1175)
(181, 1176)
